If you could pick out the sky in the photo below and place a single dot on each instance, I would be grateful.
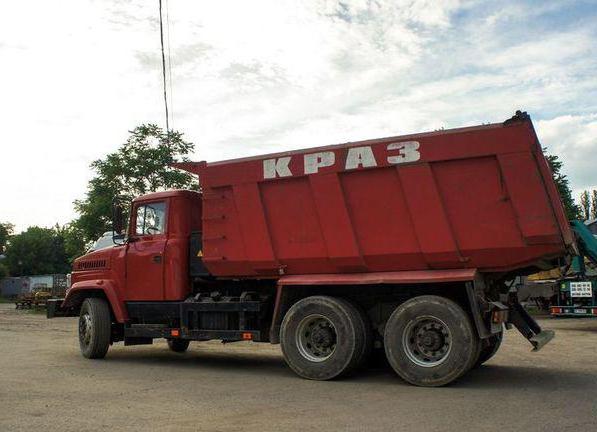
(252, 77)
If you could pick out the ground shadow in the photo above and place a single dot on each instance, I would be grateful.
(487, 376)
(587, 327)
(525, 377)
(233, 361)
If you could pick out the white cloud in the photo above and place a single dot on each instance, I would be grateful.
(574, 139)
(255, 77)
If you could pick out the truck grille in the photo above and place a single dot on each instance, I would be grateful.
(90, 264)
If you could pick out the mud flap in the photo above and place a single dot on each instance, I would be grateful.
(528, 327)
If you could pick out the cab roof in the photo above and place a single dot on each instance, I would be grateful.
(166, 194)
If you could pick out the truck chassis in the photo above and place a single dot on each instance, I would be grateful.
(263, 317)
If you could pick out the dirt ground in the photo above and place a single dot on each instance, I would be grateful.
(45, 384)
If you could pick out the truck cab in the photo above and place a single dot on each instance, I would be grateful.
(152, 262)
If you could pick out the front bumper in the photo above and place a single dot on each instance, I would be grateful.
(54, 309)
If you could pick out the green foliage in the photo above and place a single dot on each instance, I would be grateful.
(36, 251)
(585, 205)
(140, 166)
(594, 204)
(74, 241)
(6, 230)
(563, 184)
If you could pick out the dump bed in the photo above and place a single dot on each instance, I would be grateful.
(479, 197)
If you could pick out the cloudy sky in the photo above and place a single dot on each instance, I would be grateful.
(250, 77)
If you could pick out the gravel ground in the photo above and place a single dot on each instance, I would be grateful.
(45, 384)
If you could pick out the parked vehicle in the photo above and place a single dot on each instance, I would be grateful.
(31, 283)
(405, 242)
(577, 291)
(37, 290)
(105, 241)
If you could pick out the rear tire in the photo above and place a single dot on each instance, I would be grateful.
(430, 341)
(95, 324)
(367, 337)
(489, 348)
(178, 345)
(323, 337)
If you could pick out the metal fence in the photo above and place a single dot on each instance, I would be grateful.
(12, 287)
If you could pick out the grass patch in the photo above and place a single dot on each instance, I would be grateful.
(6, 300)
(36, 310)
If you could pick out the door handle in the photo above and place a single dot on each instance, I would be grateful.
(157, 259)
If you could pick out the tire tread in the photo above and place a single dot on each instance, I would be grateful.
(442, 374)
(342, 308)
(102, 325)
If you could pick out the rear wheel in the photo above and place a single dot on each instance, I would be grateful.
(178, 345)
(367, 337)
(430, 341)
(95, 325)
(323, 337)
(489, 348)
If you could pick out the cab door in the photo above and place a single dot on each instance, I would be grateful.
(145, 253)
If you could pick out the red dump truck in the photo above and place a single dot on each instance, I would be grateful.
(406, 243)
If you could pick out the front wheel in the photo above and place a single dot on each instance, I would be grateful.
(430, 341)
(95, 325)
(178, 345)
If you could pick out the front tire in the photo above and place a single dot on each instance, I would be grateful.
(323, 337)
(95, 324)
(178, 345)
(430, 341)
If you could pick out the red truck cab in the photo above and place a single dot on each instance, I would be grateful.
(153, 262)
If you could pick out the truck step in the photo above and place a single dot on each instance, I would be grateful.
(153, 331)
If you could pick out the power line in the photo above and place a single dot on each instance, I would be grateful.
(164, 69)
(169, 65)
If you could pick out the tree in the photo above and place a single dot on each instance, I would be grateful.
(585, 205)
(74, 241)
(6, 230)
(36, 251)
(563, 185)
(594, 204)
(140, 166)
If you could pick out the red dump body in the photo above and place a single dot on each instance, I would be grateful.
(479, 197)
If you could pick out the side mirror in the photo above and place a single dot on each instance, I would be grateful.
(118, 221)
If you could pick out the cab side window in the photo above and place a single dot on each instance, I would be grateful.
(150, 219)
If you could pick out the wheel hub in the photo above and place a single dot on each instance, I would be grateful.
(85, 326)
(431, 340)
(316, 338)
(322, 337)
(427, 341)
